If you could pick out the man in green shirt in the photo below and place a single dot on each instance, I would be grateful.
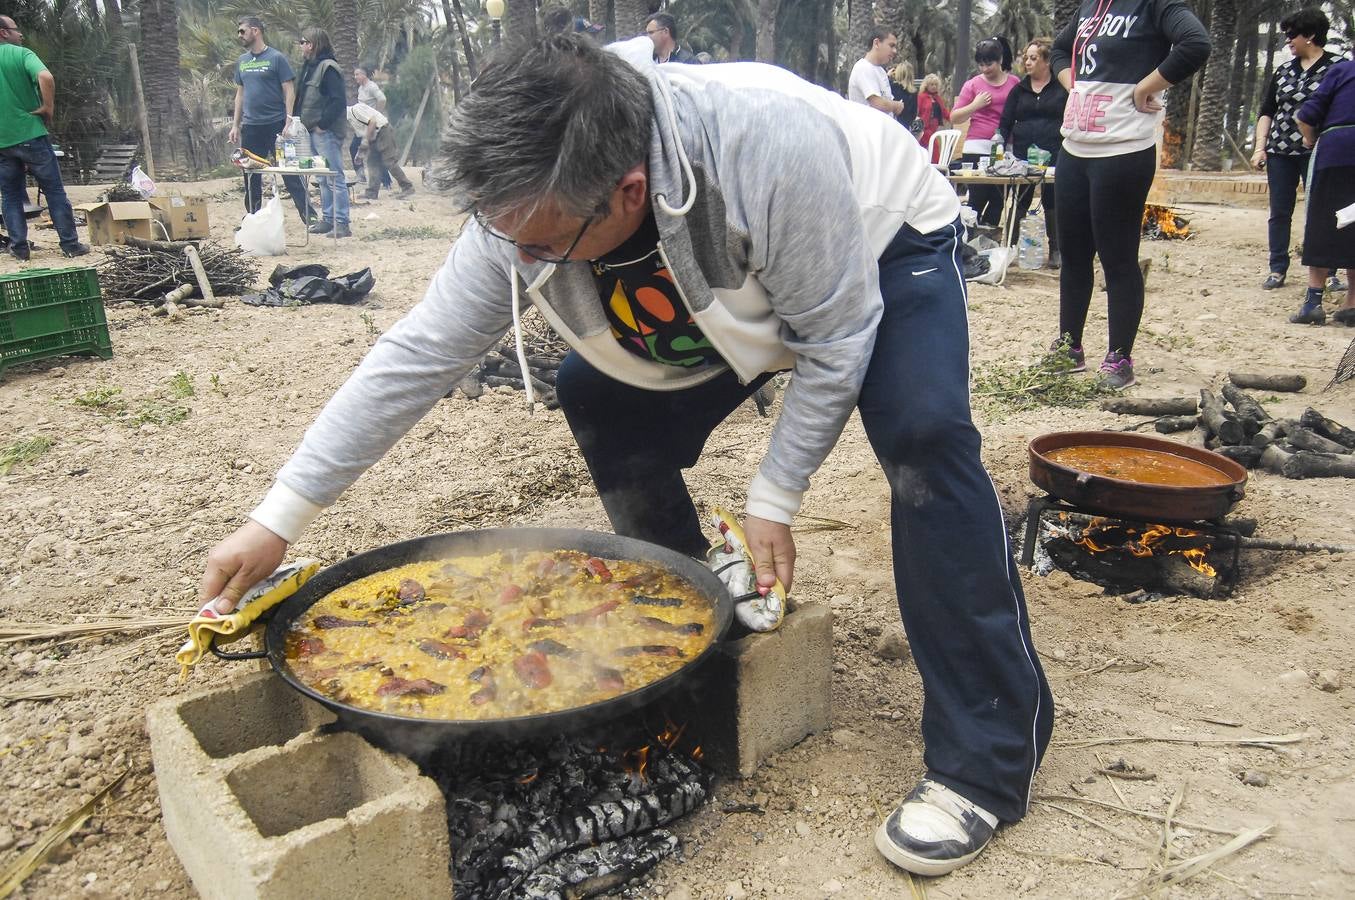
(27, 99)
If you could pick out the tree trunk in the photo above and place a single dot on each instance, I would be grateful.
(1233, 108)
(92, 11)
(964, 19)
(860, 20)
(1271, 46)
(160, 75)
(345, 39)
(736, 35)
(765, 49)
(1248, 86)
(1206, 153)
(630, 18)
(457, 14)
(599, 14)
(113, 16)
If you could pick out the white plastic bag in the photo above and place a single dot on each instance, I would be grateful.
(999, 258)
(261, 233)
(142, 183)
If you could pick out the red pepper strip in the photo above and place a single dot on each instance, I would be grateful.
(509, 594)
(464, 632)
(598, 569)
(608, 679)
(309, 647)
(533, 669)
(587, 615)
(538, 622)
(672, 627)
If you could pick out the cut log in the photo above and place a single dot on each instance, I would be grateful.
(1173, 424)
(1150, 406)
(1271, 432)
(1219, 422)
(1246, 455)
(1273, 458)
(1198, 437)
(1276, 382)
(1307, 439)
(1307, 464)
(1314, 420)
(204, 283)
(1249, 412)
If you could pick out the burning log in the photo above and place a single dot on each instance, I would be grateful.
(1306, 439)
(1123, 557)
(1249, 411)
(1173, 424)
(1274, 382)
(1219, 421)
(1150, 406)
(1313, 419)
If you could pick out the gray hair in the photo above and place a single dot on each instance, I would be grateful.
(562, 120)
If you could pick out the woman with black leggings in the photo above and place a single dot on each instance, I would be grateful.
(1115, 58)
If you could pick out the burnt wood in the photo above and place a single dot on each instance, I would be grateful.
(1307, 464)
(1328, 428)
(1279, 381)
(1248, 410)
(1306, 439)
(1150, 406)
(1270, 432)
(1245, 455)
(1221, 423)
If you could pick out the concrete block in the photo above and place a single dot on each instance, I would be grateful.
(763, 693)
(259, 803)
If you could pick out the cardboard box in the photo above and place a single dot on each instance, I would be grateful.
(111, 223)
(185, 218)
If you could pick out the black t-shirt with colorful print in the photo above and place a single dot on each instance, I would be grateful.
(641, 300)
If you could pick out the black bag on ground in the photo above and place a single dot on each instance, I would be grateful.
(303, 285)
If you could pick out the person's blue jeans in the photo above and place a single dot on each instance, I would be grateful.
(34, 157)
(987, 713)
(333, 188)
(1283, 174)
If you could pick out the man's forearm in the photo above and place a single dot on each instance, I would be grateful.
(239, 106)
(893, 107)
(288, 97)
(47, 90)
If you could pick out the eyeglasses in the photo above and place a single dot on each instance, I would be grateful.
(535, 251)
(303, 41)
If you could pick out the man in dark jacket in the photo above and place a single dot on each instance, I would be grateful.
(662, 30)
(322, 101)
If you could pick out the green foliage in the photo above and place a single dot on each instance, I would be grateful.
(181, 385)
(159, 412)
(107, 400)
(417, 71)
(23, 450)
(409, 233)
(1047, 382)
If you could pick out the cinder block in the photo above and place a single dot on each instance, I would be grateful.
(259, 803)
(763, 693)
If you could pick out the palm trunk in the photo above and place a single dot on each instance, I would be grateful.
(519, 22)
(964, 18)
(630, 18)
(160, 75)
(1233, 108)
(346, 43)
(599, 13)
(1207, 150)
(860, 20)
(113, 16)
(465, 37)
(1248, 84)
(765, 48)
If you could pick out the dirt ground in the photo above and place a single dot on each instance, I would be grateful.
(117, 516)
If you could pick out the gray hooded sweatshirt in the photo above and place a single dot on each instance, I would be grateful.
(774, 199)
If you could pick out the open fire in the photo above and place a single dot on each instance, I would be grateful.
(566, 816)
(1103, 535)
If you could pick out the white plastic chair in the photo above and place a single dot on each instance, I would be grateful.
(946, 139)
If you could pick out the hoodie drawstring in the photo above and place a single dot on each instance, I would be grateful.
(517, 339)
(683, 161)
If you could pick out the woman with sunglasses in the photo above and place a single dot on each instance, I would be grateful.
(1279, 144)
(1115, 59)
(323, 101)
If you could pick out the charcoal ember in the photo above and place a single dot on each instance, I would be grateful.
(597, 870)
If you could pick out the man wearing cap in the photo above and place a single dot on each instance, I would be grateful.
(374, 131)
(662, 30)
(264, 93)
(27, 100)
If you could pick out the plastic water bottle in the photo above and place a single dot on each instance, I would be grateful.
(999, 151)
(1030, 245)
(289, 152)
(277, 150)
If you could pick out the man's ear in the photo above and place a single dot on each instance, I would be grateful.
(634, 187)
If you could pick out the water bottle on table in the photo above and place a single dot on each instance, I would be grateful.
(289, 152)
(1030, 244)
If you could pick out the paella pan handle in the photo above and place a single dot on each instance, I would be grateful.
(227, 655)
(1236, 494)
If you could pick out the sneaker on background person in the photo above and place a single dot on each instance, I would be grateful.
(1273, 280)
(1117, 371)
(1074, 354)
(1335, 284)
(76, 249)
(934, 830)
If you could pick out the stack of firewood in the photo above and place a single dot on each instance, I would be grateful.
(1231, 422)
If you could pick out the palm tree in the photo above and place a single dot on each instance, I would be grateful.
(630, 17)
(160, 77)
(599, 13)
(765, 47)
(519, 21)
(345, 37)
(1207, 150)
(1064, 11)
(964, 22)
(1019, 21)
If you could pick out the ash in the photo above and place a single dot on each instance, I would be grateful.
(562, 818)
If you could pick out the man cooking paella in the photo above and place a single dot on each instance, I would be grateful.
(690, 231)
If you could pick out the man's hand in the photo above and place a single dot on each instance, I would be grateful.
(1145, 96)
(45, 113)
(234, 136)
(238, 563)
(773, 551)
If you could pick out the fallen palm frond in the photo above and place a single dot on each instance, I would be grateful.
(917, 889)
(1187, 869)
(805, 524)
(1109, 829)
(55, 692)
(16, 632)
(1110, 665)
(1268, 741)
(1172, 807)
(13, 876)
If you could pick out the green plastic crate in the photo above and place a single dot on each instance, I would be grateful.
(51, 312)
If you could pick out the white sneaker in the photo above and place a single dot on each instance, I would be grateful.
(934, 830)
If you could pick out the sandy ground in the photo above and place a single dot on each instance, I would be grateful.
(117, 518)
